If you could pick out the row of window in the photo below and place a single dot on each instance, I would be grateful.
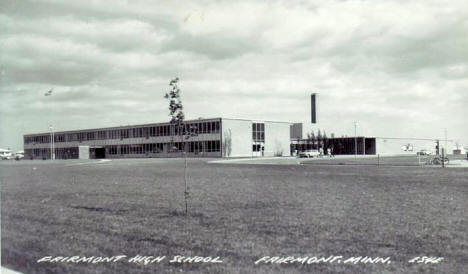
(154, 131)
(37, 139)
(201, 146)
(205, 146)
(44, 153)
(72, 152)
(136, 149)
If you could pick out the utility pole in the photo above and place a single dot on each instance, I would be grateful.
(52, 143)
(445, 131)
(355, 139)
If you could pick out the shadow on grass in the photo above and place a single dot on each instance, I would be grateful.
(180, 213)
(100, 209)
(357, 164)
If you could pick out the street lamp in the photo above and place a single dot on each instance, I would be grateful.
(52, 143)
(355, 139)
(445, 131)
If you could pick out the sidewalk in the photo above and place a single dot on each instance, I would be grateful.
(8, 271)
(458, 163)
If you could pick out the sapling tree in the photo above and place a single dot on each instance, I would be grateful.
(179, 128)
(175, 104)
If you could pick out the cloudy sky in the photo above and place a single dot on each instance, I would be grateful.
(398, 68)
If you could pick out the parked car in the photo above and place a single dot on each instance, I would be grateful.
(19, 155)
(6, 154)
(309, 153)
(423, 152)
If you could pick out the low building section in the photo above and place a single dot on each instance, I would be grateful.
(337, 146)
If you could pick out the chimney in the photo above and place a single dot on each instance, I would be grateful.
(313, 108)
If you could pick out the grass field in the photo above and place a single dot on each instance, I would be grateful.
(237, 212)
(402, 160)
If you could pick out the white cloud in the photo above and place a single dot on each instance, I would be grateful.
(397, 67)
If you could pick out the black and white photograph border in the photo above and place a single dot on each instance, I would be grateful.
(246, 136)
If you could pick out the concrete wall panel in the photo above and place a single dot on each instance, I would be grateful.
(277, 139)
(237, 134)
(83, 152)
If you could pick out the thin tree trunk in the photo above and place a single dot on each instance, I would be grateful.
(185, 179)
(186, 192)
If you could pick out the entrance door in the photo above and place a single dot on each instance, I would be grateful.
(258, 149)
(100, 152)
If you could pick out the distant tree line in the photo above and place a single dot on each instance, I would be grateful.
(318, 139)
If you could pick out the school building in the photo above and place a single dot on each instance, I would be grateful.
(216, 137)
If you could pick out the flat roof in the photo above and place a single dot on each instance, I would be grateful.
(148, 124)
(258, 120)
(118, 127)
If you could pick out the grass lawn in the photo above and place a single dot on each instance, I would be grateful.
(237, 212)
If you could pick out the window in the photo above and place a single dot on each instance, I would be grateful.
(140, 132)
(212, 127)
(81, 136)
(59, 138)
(124, 133)
(258, 132)
(136, 133)
(101, 135)
(203, 128)
(176, 147)
(114, 150)
(71, 137)
(160, 147)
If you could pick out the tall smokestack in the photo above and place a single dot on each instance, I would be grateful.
(313, 108)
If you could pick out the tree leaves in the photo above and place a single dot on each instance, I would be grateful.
(175, 103)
